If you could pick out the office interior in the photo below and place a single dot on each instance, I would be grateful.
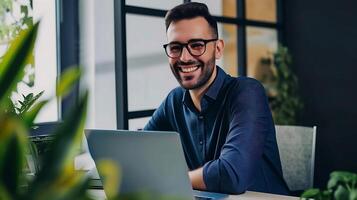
(119, 46)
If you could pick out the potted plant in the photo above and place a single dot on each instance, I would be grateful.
(282, 87)
(341, 186)
(57, 179)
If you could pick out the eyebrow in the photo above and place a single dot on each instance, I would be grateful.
(191, 40)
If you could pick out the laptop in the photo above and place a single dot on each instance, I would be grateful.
(150, 161)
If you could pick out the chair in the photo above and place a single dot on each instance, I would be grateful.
(297, 154)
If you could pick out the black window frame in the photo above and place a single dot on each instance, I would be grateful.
(121, 9)
(67, 42)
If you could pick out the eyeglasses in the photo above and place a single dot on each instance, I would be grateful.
(195, 47)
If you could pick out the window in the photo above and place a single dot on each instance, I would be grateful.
(251, 30)
(42, 74)
(56, 49)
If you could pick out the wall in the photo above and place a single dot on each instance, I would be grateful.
(98, 60)
(322, 37)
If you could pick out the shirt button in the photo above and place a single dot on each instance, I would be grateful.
(200, 117)
(201, 142)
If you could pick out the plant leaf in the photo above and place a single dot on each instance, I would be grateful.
(310, 193)
(29, 101)
(341, 193)
(13, 142)
(60, 159)
(67, 81)
(15, 59)
(110, 172)
(31, 115)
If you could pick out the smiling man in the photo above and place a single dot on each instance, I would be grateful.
(225, 123)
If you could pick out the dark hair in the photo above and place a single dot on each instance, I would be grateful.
(188, 11)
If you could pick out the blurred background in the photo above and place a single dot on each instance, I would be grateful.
(119, 44)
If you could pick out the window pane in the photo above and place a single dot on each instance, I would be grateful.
(138, 124)
(261, 43)
(149, 75)
(229, 62)
(225, 8)
(42, 75)
(261, 10)
(46, 57)
(157, 4)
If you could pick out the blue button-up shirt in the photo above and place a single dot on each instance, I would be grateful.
(232, 138)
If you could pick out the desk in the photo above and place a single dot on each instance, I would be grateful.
(99, 194)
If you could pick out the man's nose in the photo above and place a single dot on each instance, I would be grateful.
(185, 55)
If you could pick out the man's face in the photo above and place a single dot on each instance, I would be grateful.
(192, 72)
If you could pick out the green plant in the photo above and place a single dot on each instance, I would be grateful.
(11, 23)
(341, 186)
(286, 103)
(23, 106)
(57, 178)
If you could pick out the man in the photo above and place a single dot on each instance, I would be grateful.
(225, 123)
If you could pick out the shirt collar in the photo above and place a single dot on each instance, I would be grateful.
(213, 89)
(217, 84)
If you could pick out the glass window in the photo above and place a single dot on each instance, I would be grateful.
(42, 74)
(225, 8)
(229, 62)
(261, 10)
(157, 4)
(138, 123)
(149, 75)
(261, 44)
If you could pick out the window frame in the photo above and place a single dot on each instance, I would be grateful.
(67, 30)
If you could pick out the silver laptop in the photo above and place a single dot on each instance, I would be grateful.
(150, 161)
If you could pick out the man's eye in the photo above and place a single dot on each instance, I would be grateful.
(175, 48)
(197, 45)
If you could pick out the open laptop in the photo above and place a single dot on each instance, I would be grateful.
(150, 161)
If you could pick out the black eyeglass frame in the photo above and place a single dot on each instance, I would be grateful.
(186, 46)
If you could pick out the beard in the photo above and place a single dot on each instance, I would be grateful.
(206, 72)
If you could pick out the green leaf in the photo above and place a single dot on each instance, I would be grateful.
(110, 172)
(31, 115)
(68, 80)
(332, 183)
(311, 193)
(4, 195)
(341, 193)
(13, 143)
(24, 10)
(353, 194)
(29, 101)
(29, 22)
(15, 59)
(68, 138)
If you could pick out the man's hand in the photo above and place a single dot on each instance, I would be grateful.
(196, 177)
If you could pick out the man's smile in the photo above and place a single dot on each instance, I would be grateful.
(188, 69)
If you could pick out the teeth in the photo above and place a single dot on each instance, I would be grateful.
(189, 69)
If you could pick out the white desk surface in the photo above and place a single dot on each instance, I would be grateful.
(99, 194)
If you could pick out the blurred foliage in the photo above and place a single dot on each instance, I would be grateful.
(56, 179)
(283, 92)
(16, 15)
(23, 106)
(341, 186)
(10, 23)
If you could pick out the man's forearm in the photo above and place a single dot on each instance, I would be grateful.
(196, 177)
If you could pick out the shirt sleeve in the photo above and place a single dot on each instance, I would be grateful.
(159, 120)
(234, 170)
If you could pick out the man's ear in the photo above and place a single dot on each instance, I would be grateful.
(219, 48)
